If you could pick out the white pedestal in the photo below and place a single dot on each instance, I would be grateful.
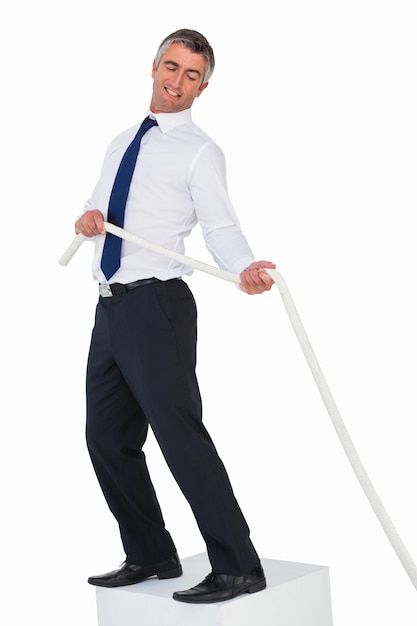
(297, 594)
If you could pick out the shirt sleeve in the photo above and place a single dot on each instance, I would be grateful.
(216, 215)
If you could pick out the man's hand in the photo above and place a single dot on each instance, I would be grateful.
(255, 280)
(91, 223)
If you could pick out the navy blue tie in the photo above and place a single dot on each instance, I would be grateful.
(110, 260)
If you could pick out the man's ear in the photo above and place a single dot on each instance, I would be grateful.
(202, 88)
(153, 68)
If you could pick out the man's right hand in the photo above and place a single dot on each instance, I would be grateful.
(91, 223)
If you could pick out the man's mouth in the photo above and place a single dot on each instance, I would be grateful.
(172, 93)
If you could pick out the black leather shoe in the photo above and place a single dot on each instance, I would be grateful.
(129, 574)
(221, 587)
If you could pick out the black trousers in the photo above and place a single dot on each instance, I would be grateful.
(141, 373)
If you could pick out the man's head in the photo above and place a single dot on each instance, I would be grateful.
(196, 42)
(181, 70)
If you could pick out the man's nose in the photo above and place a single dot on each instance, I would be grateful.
(179, 79)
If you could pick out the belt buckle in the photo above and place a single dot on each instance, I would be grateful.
(105, 291)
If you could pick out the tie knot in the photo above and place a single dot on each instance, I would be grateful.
(147, 123)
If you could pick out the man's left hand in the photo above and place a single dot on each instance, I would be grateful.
(254, 279)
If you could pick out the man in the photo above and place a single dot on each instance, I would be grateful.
(141, 365)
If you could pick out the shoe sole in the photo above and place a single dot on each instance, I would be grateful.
(259, 586)
(172, 573)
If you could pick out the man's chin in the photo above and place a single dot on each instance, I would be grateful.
(169, 107)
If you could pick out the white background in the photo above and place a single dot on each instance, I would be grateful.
(314, 104)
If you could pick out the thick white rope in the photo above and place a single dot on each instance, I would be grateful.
(315, 368)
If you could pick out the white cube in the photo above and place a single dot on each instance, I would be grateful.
(297, 594)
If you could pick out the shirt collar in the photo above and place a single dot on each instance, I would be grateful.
(168, 121)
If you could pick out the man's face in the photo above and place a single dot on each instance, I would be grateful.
(177, 79)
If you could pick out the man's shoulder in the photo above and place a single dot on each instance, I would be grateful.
(200, 133)
(123, 138)
(196, 135)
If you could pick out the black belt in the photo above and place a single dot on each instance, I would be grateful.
(106, 291)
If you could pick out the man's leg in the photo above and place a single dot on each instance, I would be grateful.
(116, 431)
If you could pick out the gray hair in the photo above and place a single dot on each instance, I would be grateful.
(193, 40)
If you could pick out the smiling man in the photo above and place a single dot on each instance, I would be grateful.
(179, 77)
(158, 180)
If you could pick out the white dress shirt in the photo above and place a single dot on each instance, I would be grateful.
(179, 181)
